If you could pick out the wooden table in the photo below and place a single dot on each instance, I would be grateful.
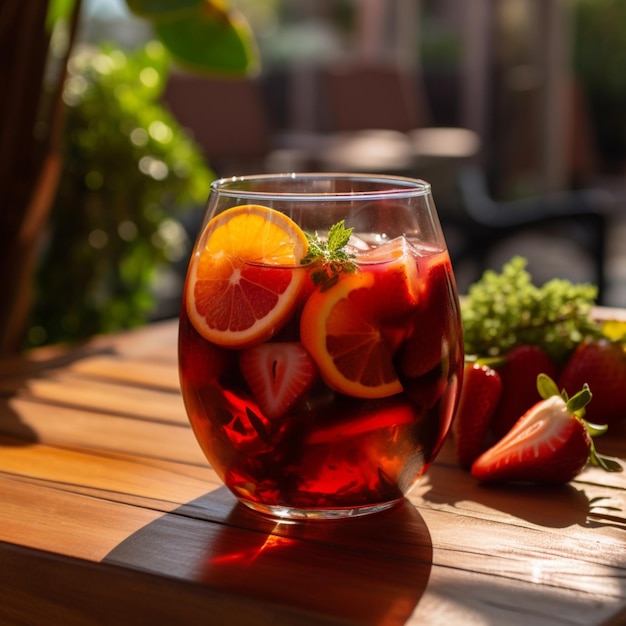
(110, 514)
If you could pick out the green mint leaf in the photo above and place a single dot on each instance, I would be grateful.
(338, 236)
(329, 258)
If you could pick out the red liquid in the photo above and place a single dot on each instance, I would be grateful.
(331, 450)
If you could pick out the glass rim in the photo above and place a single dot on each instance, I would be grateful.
(391, 186)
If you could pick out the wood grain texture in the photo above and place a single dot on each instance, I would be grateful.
(110, 514)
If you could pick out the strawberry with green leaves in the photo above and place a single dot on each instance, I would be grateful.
(602, 365)
(482, 388)
(551, 443)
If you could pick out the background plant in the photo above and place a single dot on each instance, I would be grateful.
(208, 35)
(129, 171)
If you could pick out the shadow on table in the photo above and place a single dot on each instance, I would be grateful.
(369, 570)
(517, 602)
(13, 431)
(14, 377)
(558, 506)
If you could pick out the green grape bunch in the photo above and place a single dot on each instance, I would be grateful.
(502, 311)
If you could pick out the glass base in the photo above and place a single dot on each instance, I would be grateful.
(290, 513)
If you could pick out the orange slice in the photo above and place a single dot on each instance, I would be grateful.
(245, 278)
(346, 342)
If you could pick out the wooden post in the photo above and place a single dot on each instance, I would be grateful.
(407, 28)
(554, 24)
(29, 161)
(477, 49)
(371, 21)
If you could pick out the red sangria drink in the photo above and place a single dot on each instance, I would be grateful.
(320, 341)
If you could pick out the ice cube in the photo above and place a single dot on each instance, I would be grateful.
(389, 250)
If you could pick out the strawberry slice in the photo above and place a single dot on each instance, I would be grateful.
(481, 391)
(278, 375)
(551, 443)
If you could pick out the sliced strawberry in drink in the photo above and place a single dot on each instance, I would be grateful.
(278, 375)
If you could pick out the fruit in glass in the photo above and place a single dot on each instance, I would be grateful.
(320, 342)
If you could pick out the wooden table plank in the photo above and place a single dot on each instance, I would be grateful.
(596, 495)
(110, 514)
(144, 373)
(70, 390)
(54, 520)
(475, 599)
(113, 473)
(43, 589)
(372, 571)
(63, 426)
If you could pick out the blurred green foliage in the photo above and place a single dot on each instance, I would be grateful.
(599, 60)
(202, 35)
(129, 170)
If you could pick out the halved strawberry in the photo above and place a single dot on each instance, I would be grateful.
(278, 374)
(480, 394)
(551, 443)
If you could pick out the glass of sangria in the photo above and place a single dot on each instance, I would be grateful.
(320, 341)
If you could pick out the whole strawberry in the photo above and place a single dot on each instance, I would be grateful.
(551, 443)
(602, 365)
(519, 373)
(482, 388)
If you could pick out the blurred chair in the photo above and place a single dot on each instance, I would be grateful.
(230, 122)
(362, 96)
(368, 109)
(227, 118)
(379, 120)
(480, 223)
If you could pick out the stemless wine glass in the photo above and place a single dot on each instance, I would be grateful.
(320, 342)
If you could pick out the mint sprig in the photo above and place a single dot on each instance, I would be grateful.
(329, 258)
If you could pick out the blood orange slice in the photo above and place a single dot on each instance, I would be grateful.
(245, 277)
(340, 332)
